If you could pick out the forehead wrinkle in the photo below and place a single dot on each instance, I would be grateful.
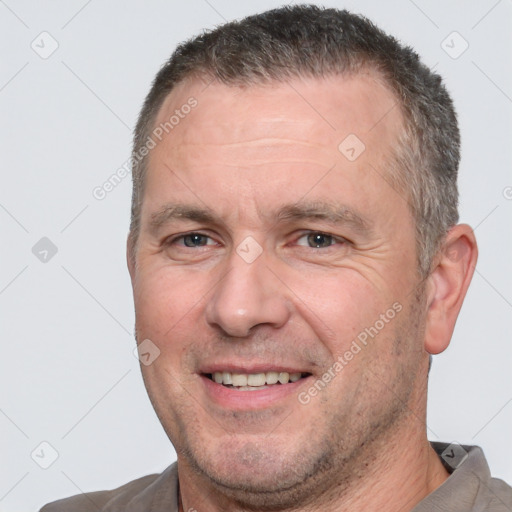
(200, 157)
(263, 141)
(253, 152)
(247, 164)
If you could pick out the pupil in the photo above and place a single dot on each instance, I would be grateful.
(319, 240)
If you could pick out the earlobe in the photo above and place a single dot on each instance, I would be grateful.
(447, 286)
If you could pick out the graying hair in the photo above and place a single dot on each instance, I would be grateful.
(310, 41)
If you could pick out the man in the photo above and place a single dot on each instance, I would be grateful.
(296, 260)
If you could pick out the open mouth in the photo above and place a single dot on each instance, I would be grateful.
(255, 381)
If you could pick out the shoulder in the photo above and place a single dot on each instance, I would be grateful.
(498, 495)
(139, 494)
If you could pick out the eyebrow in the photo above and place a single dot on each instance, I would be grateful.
(172, 212)
(327, 212)
(335, 214)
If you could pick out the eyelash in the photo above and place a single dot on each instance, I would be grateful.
(335, 240)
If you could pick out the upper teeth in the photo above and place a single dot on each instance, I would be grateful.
(255, 379)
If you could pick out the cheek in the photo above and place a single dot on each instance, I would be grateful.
(166, 300)
(338, 307)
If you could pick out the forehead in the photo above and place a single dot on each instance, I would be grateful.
(262, 144)
(307, 108)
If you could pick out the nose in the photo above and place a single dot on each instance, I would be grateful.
(249, 294)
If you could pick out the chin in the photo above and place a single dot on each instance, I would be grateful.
(263, 475)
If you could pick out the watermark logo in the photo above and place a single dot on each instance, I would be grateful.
(454, 455)
(249, 250)
(146, 352)
(454, 45)
(44, 455)
(351, 147)
(44, 250)
(45, 45)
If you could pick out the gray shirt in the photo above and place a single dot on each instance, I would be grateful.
(469, 488)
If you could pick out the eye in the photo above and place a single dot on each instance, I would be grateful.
(192, 240)
(318, 240)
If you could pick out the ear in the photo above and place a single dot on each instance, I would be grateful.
(447, 286)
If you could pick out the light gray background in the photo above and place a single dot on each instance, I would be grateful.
(68, 375)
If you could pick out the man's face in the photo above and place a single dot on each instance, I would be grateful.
(265, 249)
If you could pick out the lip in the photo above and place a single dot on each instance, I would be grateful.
(250, 368)
(230, 398)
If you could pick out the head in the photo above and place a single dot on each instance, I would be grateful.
(299, 216)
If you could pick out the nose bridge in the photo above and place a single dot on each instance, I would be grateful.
(248, 295)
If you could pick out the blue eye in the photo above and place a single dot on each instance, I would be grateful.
(194, 240)
(317, 240)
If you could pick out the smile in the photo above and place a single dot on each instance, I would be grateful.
(254, 381)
